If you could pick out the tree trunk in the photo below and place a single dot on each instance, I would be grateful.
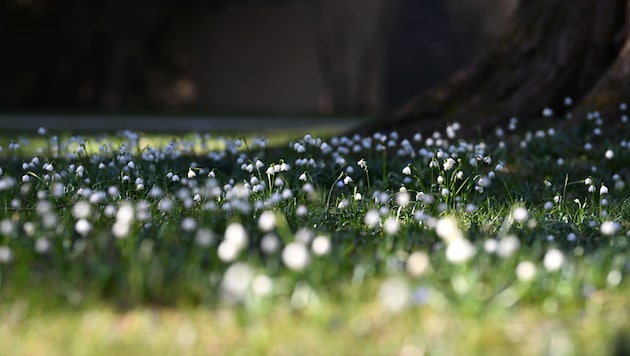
(553, 49)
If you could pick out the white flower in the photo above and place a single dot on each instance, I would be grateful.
(83, 227)
(235, 233)
(525, 271)
(81, 210)
(459, 251)
(301, 210)
(189, 224)
(403, 199)
(520, 214)
(447, 229)
(361, 163)
(321, 245)
(295, 256)
(449, 163)
(553, 260)
(417, 263)
(262, 285)
(603, 190)
(235, 282)
(266, 221)
(490, 246)
(406, 171)
(391, 225)
(507, 246)
(609, 154)
(609, 228)
(191, 174)
(228, 251)
(269, 243)
(372, 218)
(5, 254)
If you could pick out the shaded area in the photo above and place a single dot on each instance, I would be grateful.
(243, 57)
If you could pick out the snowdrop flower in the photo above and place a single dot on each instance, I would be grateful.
(447, 229)
(406, 171)
(391, 226)
(83, 227)
(525, 271)
(372, 218)
(417, 263)
(301, 210)
(449, 164)
(507, 246)
(6, 255)
(459, 251)
(235, 233)
(520, 214)
(603, 190)
(228, 251)
(295, 256)
(262, 285)
(343, 204)
(270, 243)
(235, 282)
(267, 221)
(321, 245)
(361, 163)
(189, 224)
(490, 246)
(403, 198)
(191, 174)
(81, 210)
(553, 260)
(609, 228)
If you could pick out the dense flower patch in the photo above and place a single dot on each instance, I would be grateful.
(522, 217)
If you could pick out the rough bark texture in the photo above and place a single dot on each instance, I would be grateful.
(554, 49)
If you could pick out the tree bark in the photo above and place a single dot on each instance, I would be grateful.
(553, 49)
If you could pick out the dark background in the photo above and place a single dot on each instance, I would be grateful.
(262, 57)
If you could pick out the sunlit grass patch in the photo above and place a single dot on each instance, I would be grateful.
(383, 241)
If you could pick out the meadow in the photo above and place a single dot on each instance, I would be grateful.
(384, 244)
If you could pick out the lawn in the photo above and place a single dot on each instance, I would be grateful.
(318, 244)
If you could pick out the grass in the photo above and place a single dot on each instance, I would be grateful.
(140, 244)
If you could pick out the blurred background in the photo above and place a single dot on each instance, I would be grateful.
(357, 58)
